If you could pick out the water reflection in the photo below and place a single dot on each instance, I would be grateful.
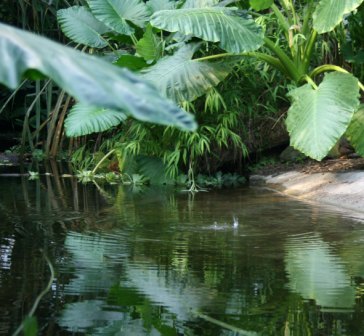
(150, 262)
(316, 273)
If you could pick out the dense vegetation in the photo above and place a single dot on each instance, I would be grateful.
(234, 66)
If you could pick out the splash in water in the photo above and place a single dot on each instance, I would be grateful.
(235, 222)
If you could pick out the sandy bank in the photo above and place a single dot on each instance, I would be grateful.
(343, 190)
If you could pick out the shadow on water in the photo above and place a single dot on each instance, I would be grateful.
(155, 261)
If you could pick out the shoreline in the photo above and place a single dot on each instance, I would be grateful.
(343, 191)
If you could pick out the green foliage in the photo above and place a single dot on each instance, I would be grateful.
(157, 5)
(352, 42)
(319, 116)
(177, 52)
(118, 14)
(355, 132)
(181, 78)
(150, 46)
(329, 13)
(220, 180)
(229, 26)
(131, 62)
(89, 79)
(30, 326)
(80, 25)
(84, 119)
(259, 5)
(200, 3)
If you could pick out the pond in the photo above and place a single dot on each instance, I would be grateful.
(158, 261)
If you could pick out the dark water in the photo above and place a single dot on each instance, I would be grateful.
(152, 261)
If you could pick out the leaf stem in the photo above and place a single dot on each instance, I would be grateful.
(134, 39)
(275, 62)
(102, 160)
(307, 54)
(309, 80)
(288, 64)
(331, 67)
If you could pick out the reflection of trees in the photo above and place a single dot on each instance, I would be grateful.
(147, 260)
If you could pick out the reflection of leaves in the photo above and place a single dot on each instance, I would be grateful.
(30, 326)
(315, 273)
(80, 316)
(89, 256)
(124, 296)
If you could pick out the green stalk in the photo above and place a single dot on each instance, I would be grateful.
(307, 55)
(58, 131)
(326, 67)
(37, 109)
(306, 18)
(281, 19)
(12, 95)
(283, 4)
(102, 160)
(134, 39)
(287, 63)
(53, 120)
(293, 13)
(274, 62)
(331, 67)
(309, 80)
(26, 130)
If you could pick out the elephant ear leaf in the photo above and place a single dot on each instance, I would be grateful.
(79, 25)
(181, 78)
(235, 31)
(89, 79)
(259, 5)
(355, 132)
(150, 46)
(157, 5)
(319, 117)
(329, 13)
(84, 119)
(200, 3)
(116, 14)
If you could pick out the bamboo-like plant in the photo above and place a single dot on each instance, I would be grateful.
(322, 108)
(320, 113)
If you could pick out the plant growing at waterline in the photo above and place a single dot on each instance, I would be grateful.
(322, 108)
(319, 114)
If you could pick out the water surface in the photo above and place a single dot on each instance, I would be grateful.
(157, 261)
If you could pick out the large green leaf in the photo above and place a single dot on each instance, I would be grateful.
(200, 3)
(180, 78)
(319, 117)
(260, 4)
(355, 132)
(157, 5)
(229, 26)
(150, 46)
(116, 13)
(131, 62)
(329, 13)
(84, 119)
(89, 79)
(78, 24)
